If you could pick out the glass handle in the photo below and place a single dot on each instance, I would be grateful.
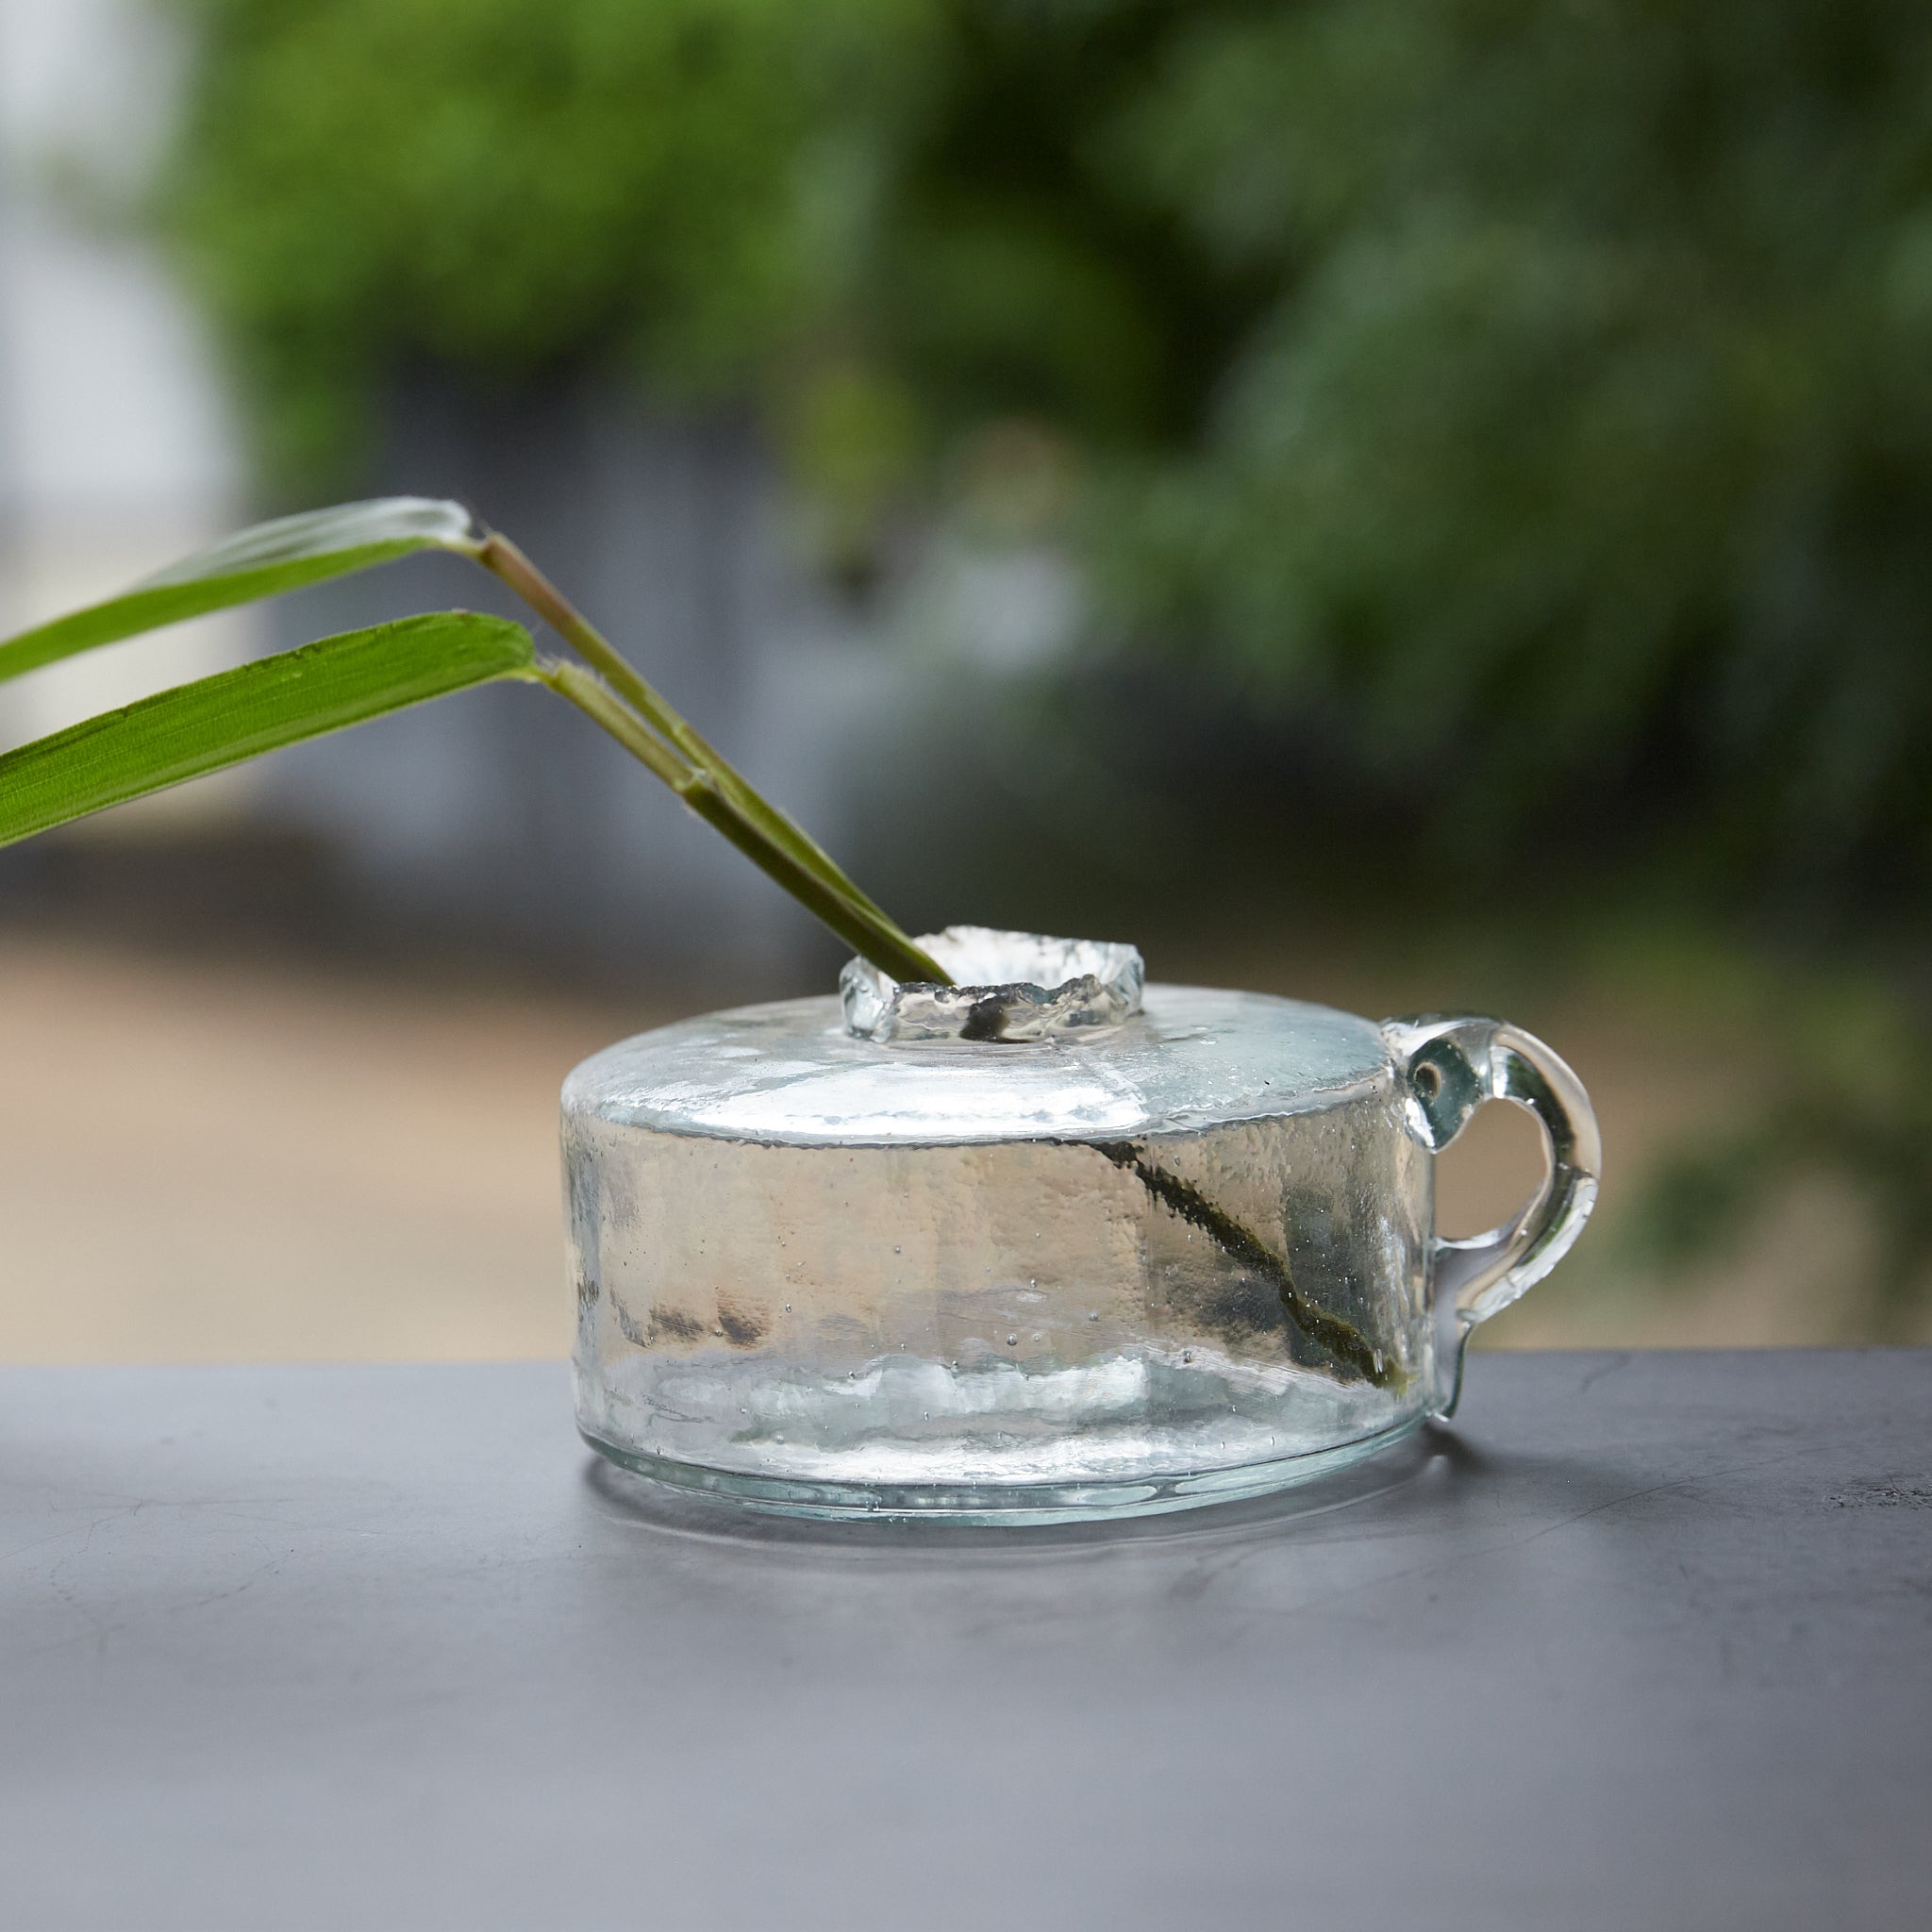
(1449, 1067)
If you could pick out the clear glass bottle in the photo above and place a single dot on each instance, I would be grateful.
(1038, 1246)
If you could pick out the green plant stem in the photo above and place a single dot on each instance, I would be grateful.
(856, 923)
(1340, 1337)
(500, 555)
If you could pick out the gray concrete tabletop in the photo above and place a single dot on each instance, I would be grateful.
(1640, 1641)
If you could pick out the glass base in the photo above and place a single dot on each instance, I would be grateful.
(1004, 1505)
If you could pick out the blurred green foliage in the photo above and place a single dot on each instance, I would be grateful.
(1543, 390)
(516, 186)
(1589, 437)
(1839, 1091)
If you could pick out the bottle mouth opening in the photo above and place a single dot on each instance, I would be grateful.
(1010, 987)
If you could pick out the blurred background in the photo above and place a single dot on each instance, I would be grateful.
(1416, 503)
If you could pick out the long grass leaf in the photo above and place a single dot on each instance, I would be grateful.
(258, 562)
(235, 715)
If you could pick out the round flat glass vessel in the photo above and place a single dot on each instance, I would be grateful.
(1024, 1249)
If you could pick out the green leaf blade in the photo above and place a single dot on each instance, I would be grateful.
(263, 561)
(237, 715)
